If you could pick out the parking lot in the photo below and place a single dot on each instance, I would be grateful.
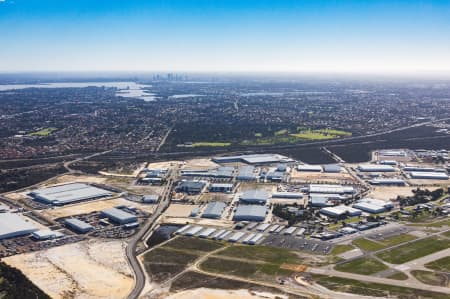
(296, 243)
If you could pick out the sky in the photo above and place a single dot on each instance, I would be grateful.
(225, 36)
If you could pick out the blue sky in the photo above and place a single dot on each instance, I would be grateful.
(225, 35)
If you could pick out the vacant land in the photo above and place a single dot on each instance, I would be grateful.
(162, 264)
(442, 264)
(414, 250)
(363, 266)
(431, 278)
(373, 289)
(338, 249)
(13, 284)
(194, 280)
(398, 276)
(77, 270)
(395, 240)
(211, 144)
(193, 244)
(368, 245)
(262, 253)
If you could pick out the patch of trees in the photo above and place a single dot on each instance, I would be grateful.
(19, 178)
(420, 196)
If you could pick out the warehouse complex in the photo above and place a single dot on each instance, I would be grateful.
(69, 193)
(254, 197)
(13, 225)
(214, 210)
(250, 213)
(257, 159)
(118, 216)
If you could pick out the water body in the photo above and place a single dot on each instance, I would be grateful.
(124, 89)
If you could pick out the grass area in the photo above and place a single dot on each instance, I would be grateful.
(211, 144)
(313, 135)
(447, 234)
(334, 132)
(395, 240)
(281, 132)
(262, 253)
(442, 264)
(374, 289)
(367, 245)
(258, 135)
(440, 223)
(240, 268)
(44, 132)
(398, 276)
(338, 225)
(193, 280)
(338, 249)
(414, 250)
(162, 264)
(431, 278)
(187, 243)
(364, 266)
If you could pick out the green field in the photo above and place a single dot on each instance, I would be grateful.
(364, 266)
(395, 240)
(192, 244)
(442, 264)
(241, 268)
(334, 132)
(367, 245)
(431, 278)
(262, 253)
(374, 289)
(44, 132)
(414, 250)
(398, 276)
(338, 249)
(312, 135)
(211, 144)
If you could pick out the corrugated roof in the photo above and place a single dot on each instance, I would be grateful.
(250, 210)
(12, 223)
(214, 209)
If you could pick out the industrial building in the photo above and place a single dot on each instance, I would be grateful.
(214, 210)
(387, 182)
(335, 189)
(309, 168)
(118, 216)
(428, 175)
(254, 197)
(375, 168)
(69, 193)
(221, 187)
(256, 159)
(192, 187)
(78, 225)
(423, 169)
(373, 206)
(250, 213)
(46, 235)
(388, 162)
(246, 173)
(332, 168)
(12, 225)
(275, 176)
(289, 195)
(340, 211)
(150, 198)
(392, 153)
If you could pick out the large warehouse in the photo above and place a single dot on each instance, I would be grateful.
(118, 216)
(250, 213)
(69, 193)
(256, 159)
(375, 168)
(214, 210)
(78, 225)
(12, 225)
(340, 211)
(429, 175)
(335, 189)
(254, 197)
(373, 206)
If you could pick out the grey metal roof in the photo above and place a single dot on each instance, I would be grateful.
(191, 184)
(214, 209)
(332, 168)
(78, 224)
(250, 210)
(69, 193)
(12, 225)
(254, 195)
(118, 214)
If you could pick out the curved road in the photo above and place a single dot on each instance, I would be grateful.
(148, 225)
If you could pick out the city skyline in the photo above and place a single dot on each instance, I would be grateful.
(226, 36)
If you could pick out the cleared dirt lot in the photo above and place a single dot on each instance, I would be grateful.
(89, 269)
(204, 293)
(322, 177)
(200, 164)
(387, 193)
(179, 210)
(92, 206)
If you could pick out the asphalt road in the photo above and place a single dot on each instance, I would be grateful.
(148, 225)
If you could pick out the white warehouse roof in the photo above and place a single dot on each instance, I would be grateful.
(68, 193)
(375, 168)
(12, 225)
(306, 167)
(429, 175)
